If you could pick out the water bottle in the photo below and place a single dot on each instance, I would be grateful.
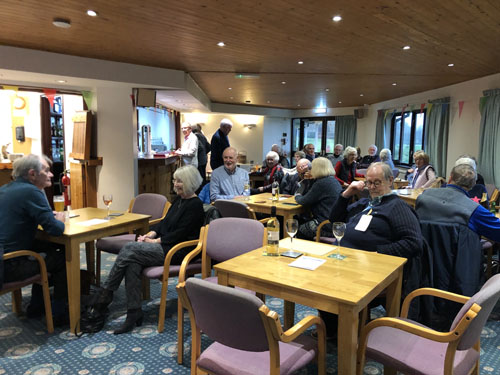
(246, 190)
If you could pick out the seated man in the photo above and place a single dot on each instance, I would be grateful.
(298, 182)
(372, 157)
(24, 207)
(383, 223)
(338, 154)
(309, 151)
(228, 181)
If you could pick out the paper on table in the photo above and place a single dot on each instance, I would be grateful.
(280, 198)
(91, 222)
(307, 263)
(307, 247)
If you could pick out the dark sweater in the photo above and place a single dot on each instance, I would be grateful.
(219, 143)
(182, 223)
(320, 198)
(394, 229)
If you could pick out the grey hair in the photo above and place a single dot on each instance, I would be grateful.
(375, 147)
(21, 167)
(322, 167)
(190, 178)
(385, 154)
(464, 176)
(338, 144)
(466, 160)
(196, 128)
(273, 155)
(349, 150)
(386, 169)
(302, 154)
(304, 160)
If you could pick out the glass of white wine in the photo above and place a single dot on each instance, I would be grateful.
(292, 226)
(107, 199)
(338, 229)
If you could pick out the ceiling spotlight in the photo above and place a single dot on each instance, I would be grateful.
(300, 62)
(221, 44)
(361, 95)
(340, 102)
(62, 23)
(231, 97)
(229, 88)
(91, 13)
(394, 84)
(61, 81)
(298, 105)
(406, 47)
(268, 101)
(336, 18)
(451, 64)
(283, 82)
(327, 90)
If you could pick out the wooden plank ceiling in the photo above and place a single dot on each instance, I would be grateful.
(362, 54)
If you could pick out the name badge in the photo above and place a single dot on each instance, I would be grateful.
(363, 223)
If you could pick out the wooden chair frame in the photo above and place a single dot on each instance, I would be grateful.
(274, 333)
(318, 230)
(44, 281)
(451, 337)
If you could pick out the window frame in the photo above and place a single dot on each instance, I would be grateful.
(324, 128)
(397, 158)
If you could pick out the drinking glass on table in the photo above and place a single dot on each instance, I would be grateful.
(58, 203)
(292, 226)
(338, 229)
(107, 199)
(246, 190)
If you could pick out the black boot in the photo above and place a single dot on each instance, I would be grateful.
(134, 317)
(103, 300)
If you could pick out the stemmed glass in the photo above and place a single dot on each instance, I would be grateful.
(107, 199)
(292, 226)
(338, 229)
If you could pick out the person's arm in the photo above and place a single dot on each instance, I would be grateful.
(187, 214)
(338, 168)
(215, 152)
(431, 175)
(485, 224)
(40, 209)
(312, 196)
(190, 147)
(339, 211)
(207, 145)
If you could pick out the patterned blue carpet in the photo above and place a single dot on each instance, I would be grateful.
(27, 349)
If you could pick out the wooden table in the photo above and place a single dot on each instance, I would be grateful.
(75, 234)
(262, 203)
(399, 184)
(410, 198)
(341, 287)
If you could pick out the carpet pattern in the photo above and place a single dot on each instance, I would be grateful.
(27, 349)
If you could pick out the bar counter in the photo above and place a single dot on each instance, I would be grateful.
(5, 172)
(156, 174)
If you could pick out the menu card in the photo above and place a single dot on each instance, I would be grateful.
(307, 263)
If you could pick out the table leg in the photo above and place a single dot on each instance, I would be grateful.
(73, 277)
(393, 295)
(347, 339)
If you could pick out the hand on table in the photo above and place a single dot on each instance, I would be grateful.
(59, 216)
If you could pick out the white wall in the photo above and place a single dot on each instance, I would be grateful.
(162, 124)
(71, 104)
(274, 127)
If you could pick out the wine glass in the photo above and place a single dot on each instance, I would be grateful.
(107, 199)
(338, 229)
(292, 226)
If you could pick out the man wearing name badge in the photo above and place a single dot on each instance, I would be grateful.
(219, 143)
(383, 223)
(24, 208)
(228, 181)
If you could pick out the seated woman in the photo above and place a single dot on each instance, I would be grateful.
(345, 170)
(273, 171)
(386, 157)
(182, 223)
(425, 173)
(320, 198)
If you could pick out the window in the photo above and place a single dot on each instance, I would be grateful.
(407, 136)
(320, 131)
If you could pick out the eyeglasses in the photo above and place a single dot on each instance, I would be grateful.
(375, 184)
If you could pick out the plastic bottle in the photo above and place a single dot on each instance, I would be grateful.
(275, 189)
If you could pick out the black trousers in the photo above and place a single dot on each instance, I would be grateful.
(24, 267)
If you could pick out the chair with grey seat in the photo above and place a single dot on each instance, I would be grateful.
(230, 208)
(249, 339)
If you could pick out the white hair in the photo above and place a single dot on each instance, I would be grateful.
(385, 154)
(466, 160)
(274, 155)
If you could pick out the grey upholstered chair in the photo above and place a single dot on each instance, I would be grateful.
(155, 205)
(41, 278)
(230, 208)
(222, 239)
(412, 348)
(249, 339)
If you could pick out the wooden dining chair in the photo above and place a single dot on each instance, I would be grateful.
(231, 208)
(320, 238)
(14, 287)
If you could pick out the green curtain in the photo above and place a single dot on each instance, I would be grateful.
(383, 129)
(437, 124)
(345, 130)
(489, 137)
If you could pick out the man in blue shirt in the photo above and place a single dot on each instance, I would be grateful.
(24, 207)
(219, 143)
(228, 181)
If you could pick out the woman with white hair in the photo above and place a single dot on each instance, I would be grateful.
(273, 171)
(345, 170)
(478, 192)
(182, 223)
(386, 157)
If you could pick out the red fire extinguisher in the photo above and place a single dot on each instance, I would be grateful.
(65, 180)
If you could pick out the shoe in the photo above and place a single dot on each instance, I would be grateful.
(35, 311)
(134, 317)
(103, 300)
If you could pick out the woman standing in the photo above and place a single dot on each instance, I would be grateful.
(182, 223)
(345, 170)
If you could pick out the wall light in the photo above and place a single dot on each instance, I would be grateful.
(249, 126)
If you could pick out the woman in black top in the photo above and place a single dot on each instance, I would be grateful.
(182, 223)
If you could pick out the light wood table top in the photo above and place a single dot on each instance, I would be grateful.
(341, 287)
(75, 234)
(409, 195)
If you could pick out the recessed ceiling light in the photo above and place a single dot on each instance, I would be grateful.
(340, 102)
(361, 95)
(298, 105)
(268, 101)
(91, 13)
(406, 47)
(300, 62)
(336, 18)
(451, 64)
(62, 23)
(394, 83)
(221, 44)
(60, 81)
(231, 97)
(229, 88)
(283, 82)
(327, 90)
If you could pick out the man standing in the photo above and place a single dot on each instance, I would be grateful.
(220, 142)
(337, 154)
(309, 150)
(298, 182)
(372, 157)
(189, 149)
(228, 181)
(24, 208)
(203, 150)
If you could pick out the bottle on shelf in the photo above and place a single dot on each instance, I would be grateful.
(275, 190)
(273, 234)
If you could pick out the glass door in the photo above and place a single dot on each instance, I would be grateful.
(320, 131)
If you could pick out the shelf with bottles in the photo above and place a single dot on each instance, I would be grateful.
(57, 149)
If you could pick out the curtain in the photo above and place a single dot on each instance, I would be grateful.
(379, 130)
(345, 130)
(437, 124)
(489, 136)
